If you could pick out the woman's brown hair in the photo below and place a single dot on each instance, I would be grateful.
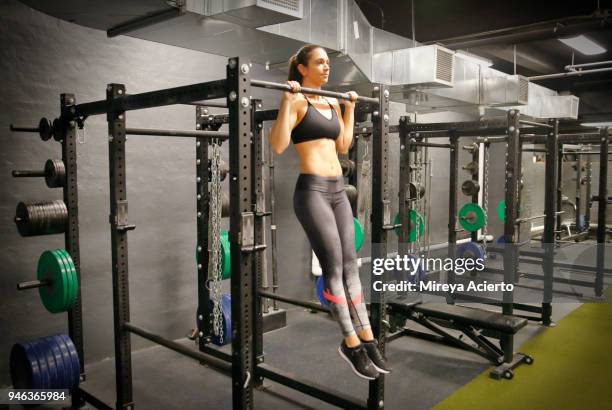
(301, 57)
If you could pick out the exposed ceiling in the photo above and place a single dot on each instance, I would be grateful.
(474, 25)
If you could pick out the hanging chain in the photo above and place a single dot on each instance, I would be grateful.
(215, 239)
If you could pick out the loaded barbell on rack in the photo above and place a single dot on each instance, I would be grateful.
(54, 173)
(41, 218)
(57, 281)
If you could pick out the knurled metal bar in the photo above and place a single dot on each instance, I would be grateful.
(71, 237)
(550, 206)
(177, 133)
(119, 228)
(381, 224)
(315, 91)
(241, 232)
(601, 209)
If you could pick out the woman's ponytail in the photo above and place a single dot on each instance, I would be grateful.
(301, 57)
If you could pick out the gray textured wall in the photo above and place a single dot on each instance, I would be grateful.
(41, 57)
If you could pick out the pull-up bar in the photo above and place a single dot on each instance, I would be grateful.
(315, 91)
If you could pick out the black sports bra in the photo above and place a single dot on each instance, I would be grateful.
(315, 125)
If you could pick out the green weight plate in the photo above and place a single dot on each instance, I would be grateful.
(64, 266)
(71, 275)
(412, 217)
(471, 217)
(50, 267)
(226, 256)
(358, 234)
(70, 278)
(501, 210)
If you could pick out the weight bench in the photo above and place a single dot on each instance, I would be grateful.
(477, 324)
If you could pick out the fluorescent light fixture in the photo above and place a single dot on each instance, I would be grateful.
(473, 58)
(597, 124)
(583, 44)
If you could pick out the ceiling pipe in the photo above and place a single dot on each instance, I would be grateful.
(572, 67)
(570, 74)
(531, 32)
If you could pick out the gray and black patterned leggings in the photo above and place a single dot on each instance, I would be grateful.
(323, 209)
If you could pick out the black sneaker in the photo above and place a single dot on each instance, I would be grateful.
(378, 359)
(359, 361)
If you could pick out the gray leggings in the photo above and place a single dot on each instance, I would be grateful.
(323, 209)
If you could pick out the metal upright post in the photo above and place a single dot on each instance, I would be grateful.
(452, 206)
(404, 180)
(71, 238)
(511, 200)
(259, 265)
(559, 191)
(601, 209)
(513, 175)
(475, 178)
(550, 207)
(587, 202)
(241, 235)
(119, 228)
(381, 223)
(578, 192)
(204, 311)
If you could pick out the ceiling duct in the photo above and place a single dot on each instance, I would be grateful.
(249, 13)
(425, 78)
(501, 90)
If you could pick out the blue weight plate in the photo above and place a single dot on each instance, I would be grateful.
(24, 368)
(50, 359)
(320, 284)
(226, 307)
(60, 382)
(66, 359)
(42, 365)
(74, 359)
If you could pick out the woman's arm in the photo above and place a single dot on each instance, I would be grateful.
(280, 134)
(346, 139)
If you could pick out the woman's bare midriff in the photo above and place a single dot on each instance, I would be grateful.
(319, 157)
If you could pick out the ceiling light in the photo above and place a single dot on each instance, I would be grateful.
(474, 58)
(583, 44)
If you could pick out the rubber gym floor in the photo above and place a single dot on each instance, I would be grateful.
(572, 369)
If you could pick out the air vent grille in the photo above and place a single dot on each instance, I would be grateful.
(444, 66)
(293, 5)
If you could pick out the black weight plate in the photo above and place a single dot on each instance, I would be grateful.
(35, 218)
(44, 129)
(57, 130)
(22, 214)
